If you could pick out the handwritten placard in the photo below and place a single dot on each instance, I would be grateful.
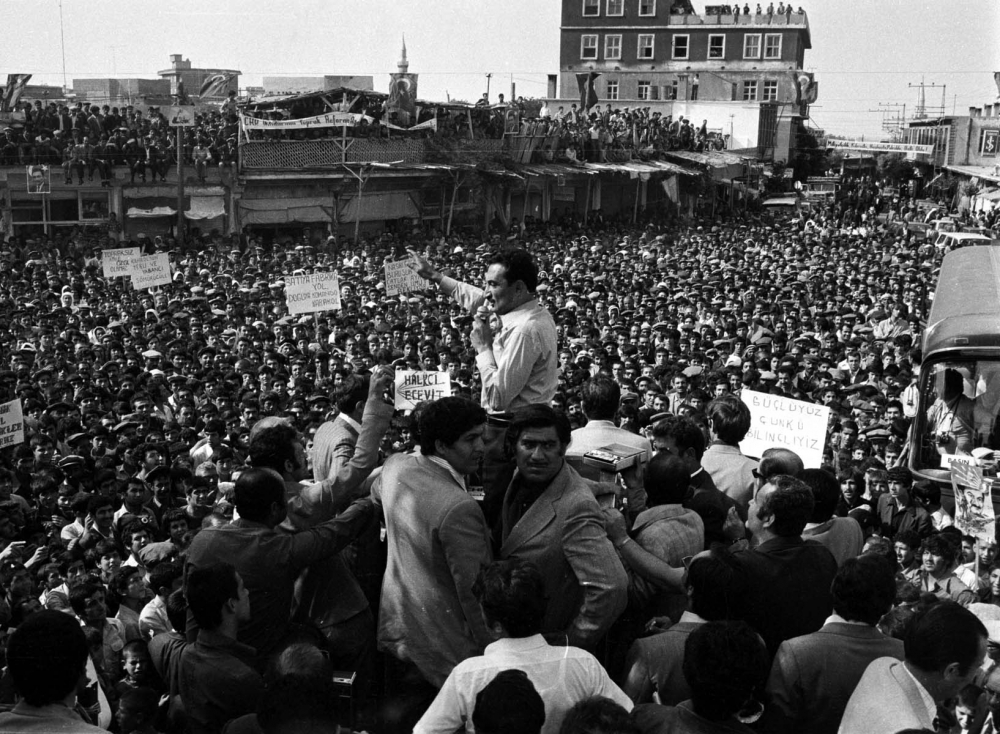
(780, 422)
(115, 262)
(414, 387)
(312, 293)
(150, 271)
(11, 424)
(401, 278)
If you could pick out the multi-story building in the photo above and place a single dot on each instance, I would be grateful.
(743, 73)
(964, 144)
(119, 92)
(181, 70)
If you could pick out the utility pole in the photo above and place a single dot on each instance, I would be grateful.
(892, 120)
(488, 77)
(62, 41)
(923, 110)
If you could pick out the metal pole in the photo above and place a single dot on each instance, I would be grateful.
(62, 40)
(180, 187)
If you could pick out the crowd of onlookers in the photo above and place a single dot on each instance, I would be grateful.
(139, 409)
(94, 140)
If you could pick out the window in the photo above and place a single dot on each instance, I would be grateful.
(750, 91)
(611, 90)
(612, 47)
(588, 47)
(772, 46)
(751, 46)
(591, 8)
(642, 92)
(645, 50)
(770, 91)
(716, 46)
(647, 7)
(679, 47)
(616, 7)
(670, 90)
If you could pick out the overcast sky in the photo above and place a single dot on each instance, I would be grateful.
(864, 51)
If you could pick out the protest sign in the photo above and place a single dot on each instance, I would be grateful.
(973, 500)
(780, 422)
(312, 293)
(11, 424)
(401, 278)
(149, 271)
(115, 262)
(414, 387)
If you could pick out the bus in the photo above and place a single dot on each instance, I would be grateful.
(959, 383)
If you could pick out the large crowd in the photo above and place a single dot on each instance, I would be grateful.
(217, 521)
(88, 139)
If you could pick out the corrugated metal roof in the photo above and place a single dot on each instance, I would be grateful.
(555, 169)
(715, 158)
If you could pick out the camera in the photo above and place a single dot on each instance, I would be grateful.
(942, 439)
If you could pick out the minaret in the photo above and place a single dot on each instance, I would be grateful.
(403, 64)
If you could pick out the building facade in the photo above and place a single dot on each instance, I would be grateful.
(181, 71)
(657, 54)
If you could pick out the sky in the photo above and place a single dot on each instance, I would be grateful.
(864, 52)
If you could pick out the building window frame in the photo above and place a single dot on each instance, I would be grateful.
(751, 45)
(650, 8)
(588, 47)
(720, 49)
(611, 90)
(619, 6)
(594, 7)
(769, 91)
(640, 46)
(613, 53)
(750, 88)
(772, 53)
(673, 46)
(644, 90)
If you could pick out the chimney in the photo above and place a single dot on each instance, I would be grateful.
(552, 86)
(972, 112)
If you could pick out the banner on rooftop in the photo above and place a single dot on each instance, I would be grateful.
(873, 146)
(588, 93)
(403, 95)
(216, 85)
(12, 92)
(330, 119)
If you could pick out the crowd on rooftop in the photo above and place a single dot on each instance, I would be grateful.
(86, 139)
(150, 416)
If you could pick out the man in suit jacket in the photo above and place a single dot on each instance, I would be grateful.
(335, 441)
(945, 647)
(789, 578)
(437, 540)
(551, 518)
(329, 596)
(813, 676)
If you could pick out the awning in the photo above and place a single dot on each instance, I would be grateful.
(379, 206)
(206, 207)
(642, 167)
(156, 211)
(989, 173)
(282, 210)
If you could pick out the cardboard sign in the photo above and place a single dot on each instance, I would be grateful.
(11, 424)
(115, 262)
(780, 422)
(312, 293)
(179, 116)
(149, 271)
(400, 278)
(415, 387)
(973, 500)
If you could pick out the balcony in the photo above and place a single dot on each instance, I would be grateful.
(302, 155)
